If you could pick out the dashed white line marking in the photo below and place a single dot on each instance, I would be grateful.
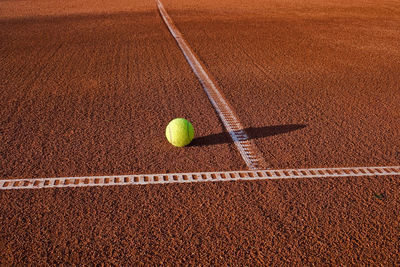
(168, 178)
(251, 156)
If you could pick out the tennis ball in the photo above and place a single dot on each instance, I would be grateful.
(179, 132)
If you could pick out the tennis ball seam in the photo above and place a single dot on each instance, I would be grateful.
(187, 131)
(170, 134)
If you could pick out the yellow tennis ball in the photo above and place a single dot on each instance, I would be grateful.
(179, 132)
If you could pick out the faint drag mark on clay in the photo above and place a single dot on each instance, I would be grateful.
(253, 133)
(380, 196)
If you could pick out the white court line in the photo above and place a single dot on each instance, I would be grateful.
(168, 178)
(246, 147)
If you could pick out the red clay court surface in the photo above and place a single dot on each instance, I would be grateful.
(88, 90)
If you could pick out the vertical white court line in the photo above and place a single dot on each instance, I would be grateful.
(246, 147)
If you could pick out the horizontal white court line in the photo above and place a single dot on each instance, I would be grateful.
(168, 178)
(251, 156)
